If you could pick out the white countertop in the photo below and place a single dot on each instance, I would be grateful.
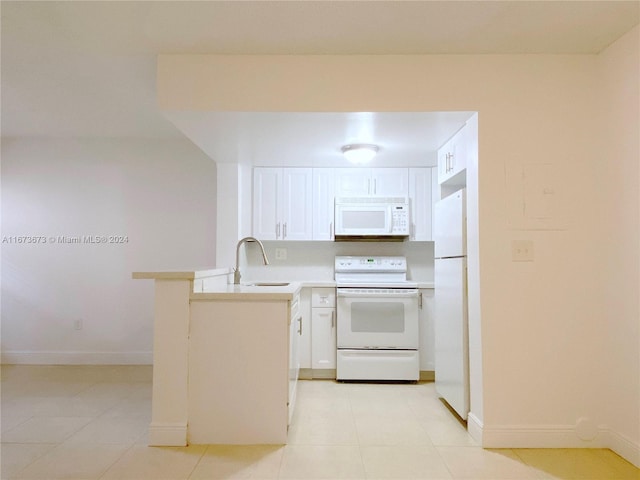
(240, 289)
(194, 274)
(249, 292)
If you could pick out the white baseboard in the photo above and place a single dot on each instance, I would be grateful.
(624, 447)
(305, 374)
(76, 358)
(427, 375)
(168, 434)
(323, 373)
(550, 436)
(474, 427)
(539, 436)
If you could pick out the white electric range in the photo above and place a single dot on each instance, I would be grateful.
(377, 319)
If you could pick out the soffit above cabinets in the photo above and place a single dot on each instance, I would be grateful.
(88, 69)
(315, 139)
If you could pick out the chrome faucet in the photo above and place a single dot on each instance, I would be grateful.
(236, 271)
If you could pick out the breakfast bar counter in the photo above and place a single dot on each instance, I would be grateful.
(225, 363)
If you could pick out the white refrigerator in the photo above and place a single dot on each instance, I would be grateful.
(451, 327)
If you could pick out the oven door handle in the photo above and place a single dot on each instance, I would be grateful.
(357, 293)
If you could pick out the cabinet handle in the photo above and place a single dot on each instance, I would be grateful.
(420, 300)
(333, 318)
(300, 323)
(284, 230)
(277, 229)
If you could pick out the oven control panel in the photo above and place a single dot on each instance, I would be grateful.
(370, 264)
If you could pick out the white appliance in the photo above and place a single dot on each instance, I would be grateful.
(451, 327)
(372, 217)
(377, 319)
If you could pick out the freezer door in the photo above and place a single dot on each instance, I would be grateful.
(450, 226)
(451, 333)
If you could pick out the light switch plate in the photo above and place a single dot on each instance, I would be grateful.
(281, 253)
(522, 251)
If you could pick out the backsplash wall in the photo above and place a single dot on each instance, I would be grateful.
(314, 261)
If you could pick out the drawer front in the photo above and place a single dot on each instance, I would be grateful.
(323, 297)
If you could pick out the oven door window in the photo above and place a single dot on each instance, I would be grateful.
(378, 317)
(370, 322)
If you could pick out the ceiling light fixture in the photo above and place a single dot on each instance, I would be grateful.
(359, 153)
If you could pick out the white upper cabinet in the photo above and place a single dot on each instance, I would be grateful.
(420, 195)
(267, 193)
(382, 182)
(298, 203)
(323, 196)
(452, 159)
(352, 182)
(282, 203)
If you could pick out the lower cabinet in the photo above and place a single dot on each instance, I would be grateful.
(313, 336)
(427, 334)
(323, 332)
(305, 339)
(236, 348)
(295, 331)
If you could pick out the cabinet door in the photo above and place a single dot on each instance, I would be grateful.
(389, 182)
(297, 204)
(323, 338)
(267, 193)
(452, 159)
(295, 331)
(304, 349)
(352, 182)
(323, 203)
(459, 160)
(443, 162)
(421, 207)
(427, 330)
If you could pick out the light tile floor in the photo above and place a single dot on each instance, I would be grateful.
(90, 422)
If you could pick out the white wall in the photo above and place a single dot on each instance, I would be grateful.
(315, 260)
(160, 194)
(233, 219)
(620, 170)
(543, 322)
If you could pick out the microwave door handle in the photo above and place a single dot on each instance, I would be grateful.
(390, 213)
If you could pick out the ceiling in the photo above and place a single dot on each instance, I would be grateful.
(87, 69)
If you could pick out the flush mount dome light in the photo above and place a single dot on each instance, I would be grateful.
(359, 152)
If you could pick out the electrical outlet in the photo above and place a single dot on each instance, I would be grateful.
(77, 324)
(281, 253)
(522, 251)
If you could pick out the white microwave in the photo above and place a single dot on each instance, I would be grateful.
(384, 218)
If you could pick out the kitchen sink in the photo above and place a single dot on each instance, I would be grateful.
(269, 284)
